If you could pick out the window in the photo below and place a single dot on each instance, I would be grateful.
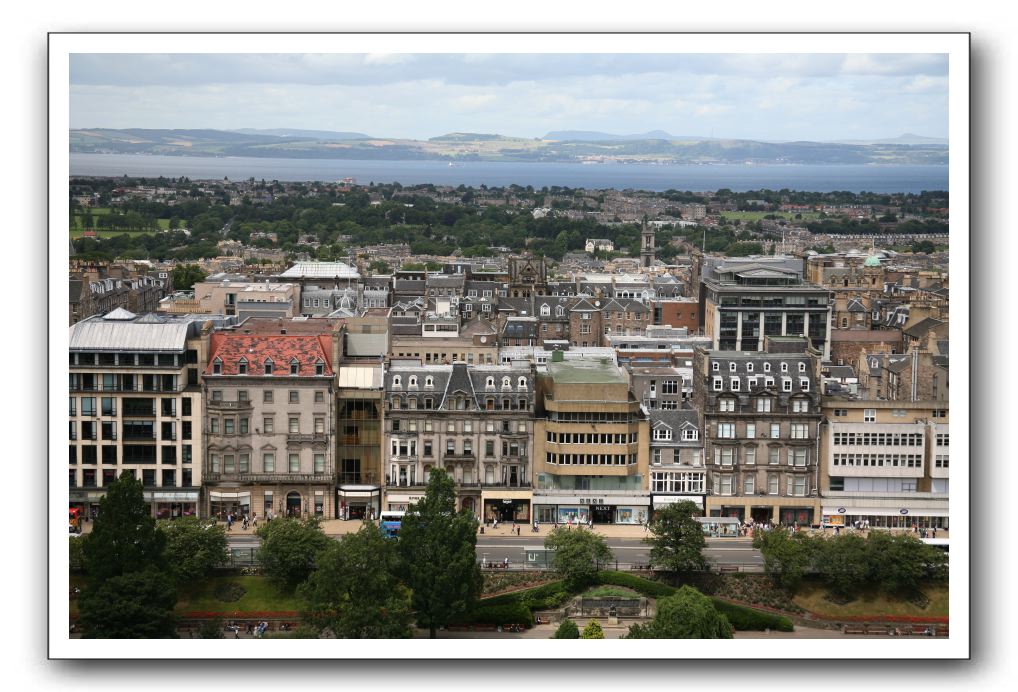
(228, 426)
(767, 367)
(749, 457)
(241, 366)
(937, 412)
(731, 366)
(750, 430)
(786, 384)
(802, 367)
(690, 434)
(804, 384)
(763, 405)
(268, 366)
(797, 486)
(294, 367)
(319, 426)
(397, 382)
(799, 431)
(217, 367)
(267, 396)
(784, 367)
(726, 430)
(214, 426)
(268, 462)
(869, 415)
(726, 484)
(734, 381)
(267, 425)
(773, 457)
(717, 384)
(775, 430)
(662, 433)
(726, 405)
(841, 412)
(217, 395)
(411, 381)
(749, 485)
(772, 484)
(749, 367)
(294, 425)
(294, 397)
(319, 463)
(294, 463)
(801, 406)
(715, 366)
(243, 462)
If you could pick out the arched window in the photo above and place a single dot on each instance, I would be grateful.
(242, 366)
(506, 383)
(490, 382)
(784, 367)
(802, 367)
(560, 311)
(545, 310)
(429, 381)
(522, 384)
(397, 382)
(412, 381)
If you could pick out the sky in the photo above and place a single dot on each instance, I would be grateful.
(817, 97)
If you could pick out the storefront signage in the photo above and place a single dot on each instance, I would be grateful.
(591, 500)
(903, 511)
(841, 510)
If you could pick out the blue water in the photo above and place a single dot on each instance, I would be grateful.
(737, 177)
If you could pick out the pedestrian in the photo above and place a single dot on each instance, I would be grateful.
(934, 531)
(517, 530)
(505, 563)
(254, 519)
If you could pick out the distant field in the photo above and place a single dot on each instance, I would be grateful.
(78, 232)
(79, 223)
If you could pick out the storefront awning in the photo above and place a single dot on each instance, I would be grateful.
(165, 496)
(358, 493)
(403, 499)
(662, 500)
(217, 495)
(506, 494)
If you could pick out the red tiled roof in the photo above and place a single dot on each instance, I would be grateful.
(308, 350)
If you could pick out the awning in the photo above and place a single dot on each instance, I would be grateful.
(358, 493)
(593, 500)
(217, 495)
(661, 500)
(166, 496)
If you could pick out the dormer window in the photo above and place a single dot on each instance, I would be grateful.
(294, 367)
(522, 384)
(545, 310)
(715, 366)
(506, 383)
(734, 383)
(731, 366)
(320, 367)
(662, 434)
(749, 367)
(786, 384)
(784, 367)
(804, 384)
(767, 367)
(690, 434)
(768, 381)
(217, 367)
(802, 367)
(269, 366)
(412, 381)
(397, 382)
(560, 311)
(717, 384)
(429, 381)
(490, 383)
(242, 366)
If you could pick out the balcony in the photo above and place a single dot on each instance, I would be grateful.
(305, 438)
(404, 458)
(523, 485)
(455, 457)
(230, 405)
(268, 478)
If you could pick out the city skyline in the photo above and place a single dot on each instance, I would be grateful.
(794, 96)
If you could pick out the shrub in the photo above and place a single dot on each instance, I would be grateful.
(500, 615)
(567, 630)
(743, 619)
(592, 631)
(548, 595)
(646, 587)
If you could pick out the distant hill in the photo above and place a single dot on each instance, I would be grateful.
(324, 135)
(656, 146)
(908, 139)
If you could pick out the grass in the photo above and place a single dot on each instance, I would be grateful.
(261, 596)
(78, 233)
(609, 591)
(870, 602)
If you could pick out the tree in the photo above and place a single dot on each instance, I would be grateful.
(843, 562)
(354, 590)
(677, 543)
(76, 554)
(567, 630)
(578, 555)
(686, 614)
(193, 547)
(379, 267)
(124, 538)
(786, 557)
(185, 276)
(134, 605)
(289, 547)
(438, 555)
(592, 631)
(899, 563)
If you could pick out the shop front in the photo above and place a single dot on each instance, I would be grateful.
(172, 504)
(359, 501)
(875, 517)
(506, 506)
(796, 516)
(604, 509)
(222, 504)
(87, 502)
(661, 501)
(401, 502)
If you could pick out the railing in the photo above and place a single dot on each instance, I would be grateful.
(522, 485)
(218, 477)
(305, 438)
(230, 404)
(453, 456)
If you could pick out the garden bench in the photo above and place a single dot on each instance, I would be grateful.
(729, 568)
(854, 629)
(876, 629)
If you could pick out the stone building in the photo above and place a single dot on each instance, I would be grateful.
(473, 421)
(677, 471)
(760, 413)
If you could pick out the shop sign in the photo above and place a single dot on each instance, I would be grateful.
(591, 500)
(841, 510)
(903, 511)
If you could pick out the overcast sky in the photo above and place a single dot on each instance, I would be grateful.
(768, 97)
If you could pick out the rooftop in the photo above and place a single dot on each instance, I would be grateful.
(319, 270)
(586, 371)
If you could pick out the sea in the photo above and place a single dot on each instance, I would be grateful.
(620, 176)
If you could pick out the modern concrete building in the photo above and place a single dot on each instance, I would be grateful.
(135, 407)
(591, 446)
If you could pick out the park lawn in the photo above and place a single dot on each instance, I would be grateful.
(78, 232)
(871, 602)
(607, 591)
(261, 596)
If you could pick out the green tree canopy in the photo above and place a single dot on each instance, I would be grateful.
(437, 547)
(124, 538)
(900, 562)
(354, 590)
(185, 276)
(289, 547)
(687, 614)
(194, 547)
(578, 555)
(133, 605)
(843, 562)
(787, 557)
(677, 540)
(592, 631)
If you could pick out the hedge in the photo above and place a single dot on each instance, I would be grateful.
(646, 587)
(500, 615)
(743, 618)
(550, 595)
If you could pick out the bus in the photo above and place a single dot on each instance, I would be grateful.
(390, 523)
(74, 519)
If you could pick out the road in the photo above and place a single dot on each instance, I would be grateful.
(627, 551)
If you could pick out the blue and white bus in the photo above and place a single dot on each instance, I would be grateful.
(390, 523)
